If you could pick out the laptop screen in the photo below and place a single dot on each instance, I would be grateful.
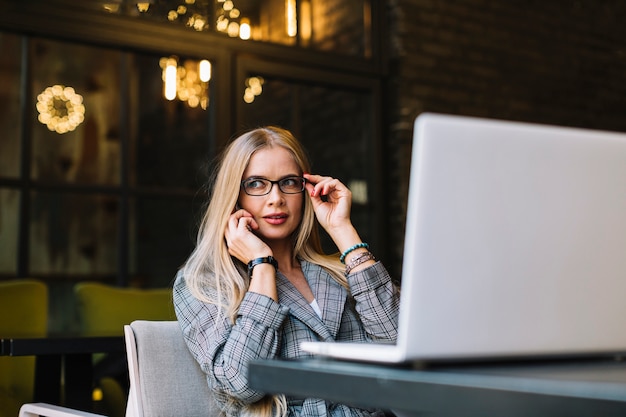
(515, 240)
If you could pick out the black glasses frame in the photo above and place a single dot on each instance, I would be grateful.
(279, 182)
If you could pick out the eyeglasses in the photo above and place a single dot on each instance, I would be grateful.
(263, 186)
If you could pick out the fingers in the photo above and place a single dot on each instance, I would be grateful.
(242, 243)
(241, 220)
(331, 200)
(238, 224)
(318, 185)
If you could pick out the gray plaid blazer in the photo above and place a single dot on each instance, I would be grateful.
(267, 329)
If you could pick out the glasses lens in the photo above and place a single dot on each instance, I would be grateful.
(291, 185)
(256, 186)
(262, 186)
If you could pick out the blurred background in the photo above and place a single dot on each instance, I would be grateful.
(111, 111)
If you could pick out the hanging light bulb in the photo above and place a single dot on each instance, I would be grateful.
(169, 79)
(305, 20)
(291, 18)
(244, 29)
(188, 82)
(205, 70)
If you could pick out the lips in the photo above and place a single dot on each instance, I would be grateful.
(276, 219)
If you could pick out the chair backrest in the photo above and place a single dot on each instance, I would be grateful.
(165, 379)
(103, 310)
(23, 313)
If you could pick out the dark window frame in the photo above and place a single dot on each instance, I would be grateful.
(234, 60)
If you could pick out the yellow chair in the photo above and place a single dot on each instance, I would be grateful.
(104, 310)
(23, 313)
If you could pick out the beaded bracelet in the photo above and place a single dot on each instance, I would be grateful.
(358, 260)
(342, 258)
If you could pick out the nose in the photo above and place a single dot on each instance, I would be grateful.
(275, 195)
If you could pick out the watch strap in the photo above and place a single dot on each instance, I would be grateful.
(263, 260)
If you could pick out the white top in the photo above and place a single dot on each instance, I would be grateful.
(316, 307)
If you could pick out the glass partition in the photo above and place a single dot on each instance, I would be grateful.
(170, 135)
(10, 115)
(162, 235)
(115, 162)
(74, 234)
(9, 209)
(76, 119)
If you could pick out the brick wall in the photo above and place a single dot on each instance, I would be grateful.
(557, 62)
(338, 27)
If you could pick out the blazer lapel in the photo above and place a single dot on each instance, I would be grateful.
(330, 296)
(299, 308)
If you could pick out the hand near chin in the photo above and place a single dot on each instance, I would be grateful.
(241, 241)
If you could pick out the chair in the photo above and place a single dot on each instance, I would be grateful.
(165, 380)
(49, 410)
(23, 313)
(103, 310)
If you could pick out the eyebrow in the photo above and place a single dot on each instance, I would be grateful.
(260, 177)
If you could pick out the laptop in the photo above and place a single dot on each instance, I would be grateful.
(515, 245)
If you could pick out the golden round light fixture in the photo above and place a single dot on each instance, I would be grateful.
(60, 108)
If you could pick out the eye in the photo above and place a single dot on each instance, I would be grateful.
(255, 184)
(291, 182)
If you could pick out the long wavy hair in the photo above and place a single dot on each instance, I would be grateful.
(211, 273)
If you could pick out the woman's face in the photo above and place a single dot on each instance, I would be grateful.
(278, 214)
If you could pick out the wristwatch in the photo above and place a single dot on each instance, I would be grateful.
(264, 260)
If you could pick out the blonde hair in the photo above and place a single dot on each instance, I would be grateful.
(211, 274)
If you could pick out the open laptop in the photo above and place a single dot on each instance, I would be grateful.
(515, 245)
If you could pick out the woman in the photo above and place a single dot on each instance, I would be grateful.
(258, 284)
